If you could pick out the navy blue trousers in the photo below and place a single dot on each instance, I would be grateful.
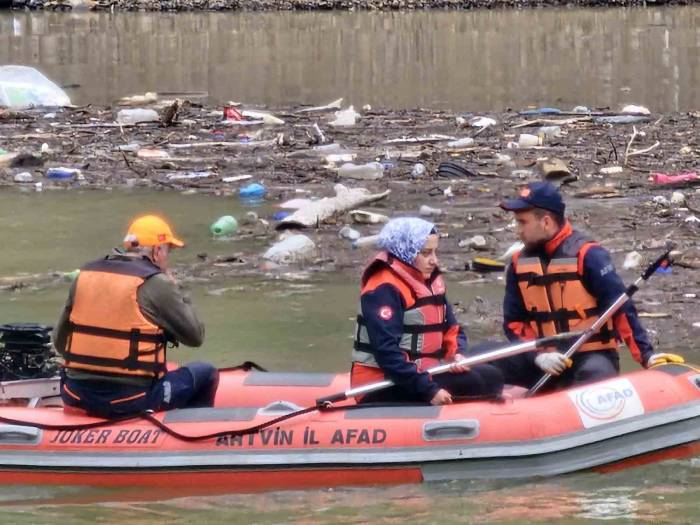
(588, 367)
(192, 385)
(481, 381)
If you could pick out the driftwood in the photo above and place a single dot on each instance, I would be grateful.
(234, 145)
(321, 210)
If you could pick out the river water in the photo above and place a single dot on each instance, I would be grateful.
(477, 60)
(462, 60)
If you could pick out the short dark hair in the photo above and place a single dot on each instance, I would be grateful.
(560, 220)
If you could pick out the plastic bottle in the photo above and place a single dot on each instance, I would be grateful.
(346, 117)
(369, 171)
(280, 215)
(665, 178)
(63, 173)
(225, 225)
(252, 191)
(71, 276)
(368, 241)
(550, 131)
(461, 143)
(346, 232)
(134, 116)
(427, 211)
(527, 141)
(25, 176)
(418, 170)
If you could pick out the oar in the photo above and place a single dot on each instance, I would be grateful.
(492, 355)
(622, 299)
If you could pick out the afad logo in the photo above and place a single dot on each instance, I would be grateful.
(603, 402)
(386, 313)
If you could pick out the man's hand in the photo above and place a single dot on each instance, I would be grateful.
(442, 397)
(553, 363)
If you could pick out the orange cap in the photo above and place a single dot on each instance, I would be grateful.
(150, 230)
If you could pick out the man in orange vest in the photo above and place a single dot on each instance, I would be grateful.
(121, 313)
(562, 281)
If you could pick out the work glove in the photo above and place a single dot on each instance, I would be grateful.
(663, 359)
(553, 363)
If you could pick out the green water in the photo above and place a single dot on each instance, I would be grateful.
(285, 324)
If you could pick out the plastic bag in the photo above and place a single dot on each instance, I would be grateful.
(24, 87)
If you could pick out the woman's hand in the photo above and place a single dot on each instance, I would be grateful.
(442, 397)
(459, 368)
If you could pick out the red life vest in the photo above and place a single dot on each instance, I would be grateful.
(108, 332)
(555, 297)
(424, 318)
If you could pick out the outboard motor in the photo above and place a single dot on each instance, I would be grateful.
(25, 352)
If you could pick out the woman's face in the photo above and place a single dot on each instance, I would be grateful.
(426, 261)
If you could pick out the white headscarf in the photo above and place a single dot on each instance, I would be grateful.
(405, 237)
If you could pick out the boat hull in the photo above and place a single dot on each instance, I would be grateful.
(634, 419)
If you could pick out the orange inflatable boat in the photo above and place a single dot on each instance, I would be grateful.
(260, 439)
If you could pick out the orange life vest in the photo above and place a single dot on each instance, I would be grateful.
(555, 297)
(108, 332)
(424, 319)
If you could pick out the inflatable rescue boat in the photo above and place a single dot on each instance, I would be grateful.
(265, 432)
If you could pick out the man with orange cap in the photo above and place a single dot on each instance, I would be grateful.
(121, 313)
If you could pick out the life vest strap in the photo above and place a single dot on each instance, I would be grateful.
(436, 300)
(413, 329)
(413, 355)
(129, 335)
(425, 328)
(534, 279)
(560, 315)
(128, 364)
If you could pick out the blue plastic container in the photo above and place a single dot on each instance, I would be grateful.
(252, 191)
(278, 216)
(62, 173)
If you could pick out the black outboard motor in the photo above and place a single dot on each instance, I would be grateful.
(25, 352)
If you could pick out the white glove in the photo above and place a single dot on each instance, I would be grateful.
(552, 362)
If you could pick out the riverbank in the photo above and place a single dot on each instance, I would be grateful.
(607, 176)
(324, 5)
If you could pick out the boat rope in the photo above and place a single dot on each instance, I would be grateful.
(148, 416)
(246, 366)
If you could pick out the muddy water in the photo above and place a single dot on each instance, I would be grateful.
(479, 60)
(473, 60)
(276, 319)
(284, 324)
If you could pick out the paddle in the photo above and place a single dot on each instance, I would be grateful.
(622, 299)
(491, 355)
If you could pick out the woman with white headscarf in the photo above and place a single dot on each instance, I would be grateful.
(406, 325)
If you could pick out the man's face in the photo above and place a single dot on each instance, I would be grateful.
(426, 261)
(534, 229)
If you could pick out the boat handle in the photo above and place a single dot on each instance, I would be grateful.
(277, 408)
(695, 380)
(19, 435)
(455, 429)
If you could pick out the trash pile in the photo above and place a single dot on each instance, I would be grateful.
(320, 181)
(334, 174)
(307, 5)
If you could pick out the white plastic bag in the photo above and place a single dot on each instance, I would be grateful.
(24, 87)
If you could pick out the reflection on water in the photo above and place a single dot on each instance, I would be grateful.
(475, 60)
(646, 495)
